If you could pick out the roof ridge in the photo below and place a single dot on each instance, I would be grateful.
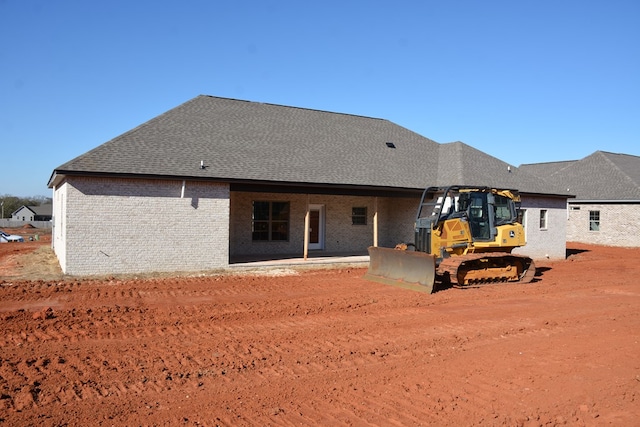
(617, 154)
(548, 163)
(292, 107)
(617, 168)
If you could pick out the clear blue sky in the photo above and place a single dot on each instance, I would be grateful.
(524, 81)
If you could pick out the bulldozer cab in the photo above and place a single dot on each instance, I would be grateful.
(483, 208)
(476, 208)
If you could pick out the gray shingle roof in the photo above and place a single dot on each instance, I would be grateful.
(240, 140)
(250, 141)
(46, 209)
(469, 166)
(599, 176)
(546, 169)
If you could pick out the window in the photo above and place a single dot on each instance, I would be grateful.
(359, 216)
(270, 221)
(543, 219)
(503, 212)
(478, 218)
(594, 220)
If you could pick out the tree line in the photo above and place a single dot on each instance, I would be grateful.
(11, 204)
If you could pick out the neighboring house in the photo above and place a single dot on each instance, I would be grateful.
(606, 209)
(33, 213)
(215, 180)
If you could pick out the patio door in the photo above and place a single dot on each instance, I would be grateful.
(316, 227)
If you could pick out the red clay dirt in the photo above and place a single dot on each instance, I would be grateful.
(319, 347)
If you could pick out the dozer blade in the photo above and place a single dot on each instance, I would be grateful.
(406, 269)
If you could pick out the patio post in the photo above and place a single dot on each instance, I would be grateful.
(306, 232)
(375, 221)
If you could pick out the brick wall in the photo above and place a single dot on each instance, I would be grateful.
(550, 242)
(119, 226)
(115, 226)
(619, 224)
(395, 222)
(396, 218)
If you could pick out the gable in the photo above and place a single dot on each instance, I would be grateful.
(23, 210)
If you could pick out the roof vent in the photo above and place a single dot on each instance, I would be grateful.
(391, 145)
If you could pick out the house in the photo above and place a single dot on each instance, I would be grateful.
(217, 179)
(606, 209)
(33, 213)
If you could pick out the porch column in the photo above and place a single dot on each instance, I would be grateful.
(305, 249)
(375, 221)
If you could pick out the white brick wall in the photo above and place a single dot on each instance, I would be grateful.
(116, 226)
(125, 226)
(549, 243)
(619, 224)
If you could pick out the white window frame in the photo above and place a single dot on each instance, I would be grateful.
(544, 219)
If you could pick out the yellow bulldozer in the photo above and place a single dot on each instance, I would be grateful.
(464, 236)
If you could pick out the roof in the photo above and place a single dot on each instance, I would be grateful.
(46, 209)
(546, 169)
(465, 165)
(600, 176)
(242, 141)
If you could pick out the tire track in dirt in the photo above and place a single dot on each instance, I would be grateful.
(234, 359)
(314, 351)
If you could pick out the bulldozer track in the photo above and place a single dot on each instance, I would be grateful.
(495, 267)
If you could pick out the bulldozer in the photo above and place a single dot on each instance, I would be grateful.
(464, 236)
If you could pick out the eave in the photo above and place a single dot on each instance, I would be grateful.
(245, 185)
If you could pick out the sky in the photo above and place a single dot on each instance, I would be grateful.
(523, 81)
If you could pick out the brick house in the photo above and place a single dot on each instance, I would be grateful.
(606, 209)
(214, 180)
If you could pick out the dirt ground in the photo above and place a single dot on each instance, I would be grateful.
(319, 347)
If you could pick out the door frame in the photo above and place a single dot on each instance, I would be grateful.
(321, 227)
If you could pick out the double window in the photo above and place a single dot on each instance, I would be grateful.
(594, 220)
(270, 221)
